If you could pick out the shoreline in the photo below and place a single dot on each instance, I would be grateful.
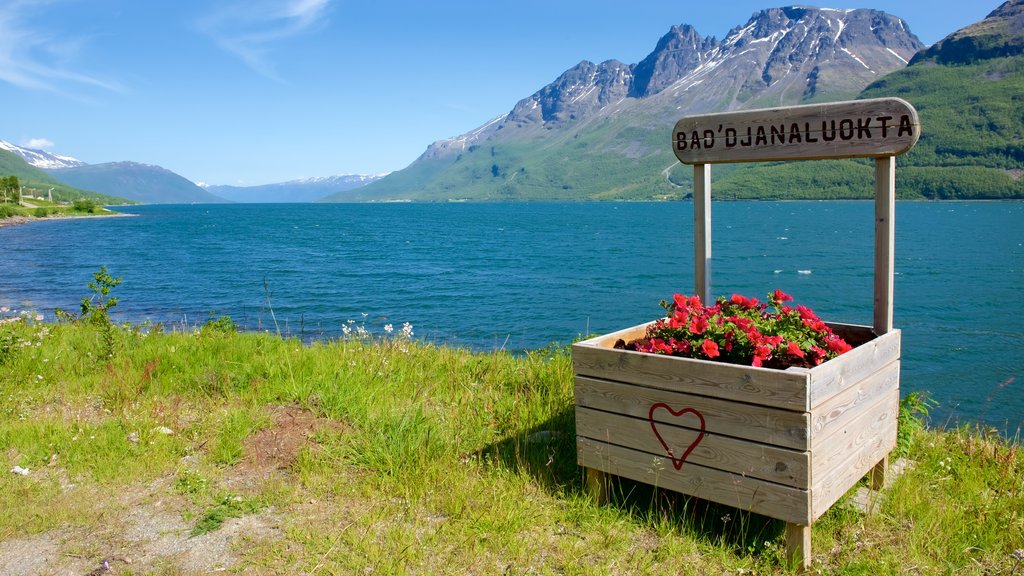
(18, 220)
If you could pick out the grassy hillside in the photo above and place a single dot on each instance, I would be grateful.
(40, 182)
(137, 182)
(195, 451)
(604, 159)
(972, 146)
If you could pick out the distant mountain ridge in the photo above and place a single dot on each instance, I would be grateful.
(601, 130)
(137, 182)
(301, 190)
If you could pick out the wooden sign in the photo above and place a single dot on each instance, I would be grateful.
(854, 129)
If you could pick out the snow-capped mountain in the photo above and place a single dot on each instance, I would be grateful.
(301, 190)
(600, 130)
(41, 158)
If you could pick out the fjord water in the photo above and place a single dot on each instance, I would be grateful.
(524, 275)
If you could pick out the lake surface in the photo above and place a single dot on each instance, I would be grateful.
(523, 275)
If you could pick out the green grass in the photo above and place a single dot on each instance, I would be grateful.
(423, 459)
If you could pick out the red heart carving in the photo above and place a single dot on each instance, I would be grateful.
(678, 463)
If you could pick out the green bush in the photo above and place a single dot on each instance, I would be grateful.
(41, 212)
(84, 205)
(6, 211)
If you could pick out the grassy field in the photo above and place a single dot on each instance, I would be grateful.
(39, 208)
(139, 450)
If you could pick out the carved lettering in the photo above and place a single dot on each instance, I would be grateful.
(762, 137)
(863, 128)
(825, 134)
(905, 126)
(846, 129)
(807, 132)
(884, 121)
(794, 133)
(749, 140)
(730, 137)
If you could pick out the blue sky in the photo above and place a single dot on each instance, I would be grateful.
(248, 92)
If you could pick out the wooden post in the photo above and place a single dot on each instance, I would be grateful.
(798, 545)
(885, 231)
(876, 478)
(597, 485)
(702, 231)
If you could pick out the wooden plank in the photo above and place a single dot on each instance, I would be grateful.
(831, 487)
(762, 497)
(858, 435)
(839, 410)
(608, 340)
(784, 466)
(853, 129)
(762, 424)
(702, 231)
(847, 370)
(764, 386)
(885, 236)
(596, 485)
(877, 476)
(798, 545)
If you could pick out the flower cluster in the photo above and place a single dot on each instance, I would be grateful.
(741, 330)
(20, 330)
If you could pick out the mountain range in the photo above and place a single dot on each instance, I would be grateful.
(303, 190)
(602, 131)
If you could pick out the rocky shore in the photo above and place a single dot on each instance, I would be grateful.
(16, 220)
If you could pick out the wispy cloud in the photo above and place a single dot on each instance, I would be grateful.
(252, 29)
(38, 143)
(33, 58)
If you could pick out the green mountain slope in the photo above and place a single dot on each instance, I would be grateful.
(969, 92)
(137, 182)
(603, 131)
(41, 182)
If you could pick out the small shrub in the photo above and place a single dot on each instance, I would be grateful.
(83, 205)
(41, 212)
(6, 211)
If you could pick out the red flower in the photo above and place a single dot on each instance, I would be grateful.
(710, 348)
(699, 325)
(781, 296)
(838, 345)
(794, 349)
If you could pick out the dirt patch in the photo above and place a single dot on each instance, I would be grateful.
(145, 528)
(276, 448)
(1015, 173)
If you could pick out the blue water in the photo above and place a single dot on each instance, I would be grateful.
(523, 275)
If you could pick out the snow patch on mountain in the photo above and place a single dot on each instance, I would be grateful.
(41, 158)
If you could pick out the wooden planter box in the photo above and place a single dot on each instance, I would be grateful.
(783, 443)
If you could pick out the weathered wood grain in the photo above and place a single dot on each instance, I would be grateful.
(859, 434)
(742, 457)
(871, 446)
(767, 425)
(837, 374)
(853, 129)
(764, 386)
(837, 412)
(746, 493)
(885, 241)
